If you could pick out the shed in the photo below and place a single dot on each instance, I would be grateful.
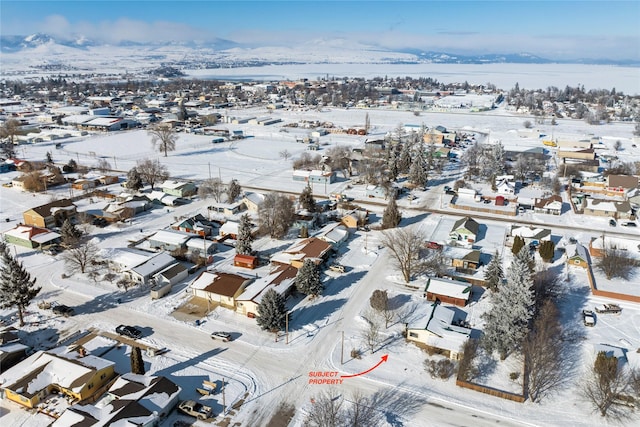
(499, 200)
(448, 291)
(245, 261)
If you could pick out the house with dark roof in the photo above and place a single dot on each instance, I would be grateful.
(448, 291)
(620, 185)
(31, 237)
(138, 400)
(219, 287)
(549, 205)
(464, 231)
(310, 248)
(282, 279)
(50, 215)
(577, 255)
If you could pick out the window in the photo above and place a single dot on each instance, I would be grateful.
(90, 386)
(576, 261)
(103, 376)
(413, 335)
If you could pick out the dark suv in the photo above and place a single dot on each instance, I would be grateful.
(63, 310)
(129, 331)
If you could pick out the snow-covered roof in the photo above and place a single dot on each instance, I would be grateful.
(45, 237)
(199, 243)
(531, 232)
(450, 288)
(174, 185)
(125, 257)
(437, 319)
(176, 238)
(154, 264)
(42, 369)
(229, 227)
(279, 280)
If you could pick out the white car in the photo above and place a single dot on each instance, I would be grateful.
(224, 336)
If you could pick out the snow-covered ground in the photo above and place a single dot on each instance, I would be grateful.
(273, 371)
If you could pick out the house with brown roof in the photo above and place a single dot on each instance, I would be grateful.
(310, 248)
(608, 208)
(50, 215)
(219, 287)
(31, 237)
(620, 185)
(549, 205)
(282, 279)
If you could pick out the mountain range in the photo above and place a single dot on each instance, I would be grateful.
(221, 52)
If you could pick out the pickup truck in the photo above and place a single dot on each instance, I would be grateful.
(195, 409)
(588, 318)
(608, 309)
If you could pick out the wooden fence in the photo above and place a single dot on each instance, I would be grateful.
(484, 210)
(491, 391)
(608, 294)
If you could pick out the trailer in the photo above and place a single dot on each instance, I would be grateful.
(608, 309)
(160, 290)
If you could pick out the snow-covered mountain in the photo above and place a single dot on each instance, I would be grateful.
(78, 53)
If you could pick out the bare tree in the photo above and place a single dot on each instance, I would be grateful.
(542, 351)
(285, 155)
(34, 181)
(405, 244)
(616, 263)
(103, 165)
(325, 411)
(307, 160)
(212, 187)
(617, 145)
(362, 411)
(371, 332)
(379, 301)
(163, 137)
(233, 190)
(607, 383)
(80, 258)
(10, 129)
(340, 159)
(276, 215)
(466, 370)
(152, 171)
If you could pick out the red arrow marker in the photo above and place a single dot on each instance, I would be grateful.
(382, 360)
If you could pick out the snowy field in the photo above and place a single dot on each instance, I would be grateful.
(263, 372)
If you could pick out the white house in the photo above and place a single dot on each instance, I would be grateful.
(436, 327)
(334, 233)
(143, 272)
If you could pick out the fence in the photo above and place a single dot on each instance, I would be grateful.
(484, 210)
(491, 391)
(608, 294)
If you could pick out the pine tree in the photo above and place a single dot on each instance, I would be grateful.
(134, 181)
(404, 159)
(233, 190)
(272, 311)
(391, 216)
(494, 275)
(518, 243)
(245, 238)
(507, 321)
(17, 288)
(137, 364)
(70, 233)
(308, 279)
(547, 250)
(525, 256)
(418, 174)
(306, 199)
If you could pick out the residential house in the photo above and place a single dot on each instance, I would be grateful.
(311, 248)
(463, 260)
(531, 234)
(219, 287)
(376, 191)
(448, 291)
(620, 185)
(83, 184)
(577, 255)
(171, 275)
(197, 224)
(465, 231)
(314, 176)
(436, 327)
(51, 215)
(123, 259)
(135, 400)
(70, 374)
(608, 208)
(160, 198)
(142, 273)
(229, 228)
(281, 279)
(31, 237)
(334, 233)
(179, 188)
(132, 206)
(252, 201)
(202, 247)
(301, 220)
(169, 240)
(12, 350)
(227, 209)
(576, 154)
(506, 187)
(549, 205)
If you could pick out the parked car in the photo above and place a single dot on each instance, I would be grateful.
(608, 309)
(195, 409)
(629, 224)
(129, 331)
(63, 310)
(588, 318)
(612, 222)
(337, 268)
(52, 250)
(224, 336)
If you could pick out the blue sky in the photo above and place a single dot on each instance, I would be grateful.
(555, 29)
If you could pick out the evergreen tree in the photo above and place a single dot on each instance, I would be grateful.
(404, 159)
(391, 216)
(418, 172)
(518, 243)
(245, 238)
(134, 181)
(17, 288)
(525, 256)
(507, 322)
(494, 275)
(547, 250)
(233, 190)
(272, 311)
(137, 364)
(70, 233)
(308, 279)
(306, 199)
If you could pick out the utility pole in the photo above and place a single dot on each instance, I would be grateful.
(224, 402)
(286, 328)
(342, 350)
(209, 169)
